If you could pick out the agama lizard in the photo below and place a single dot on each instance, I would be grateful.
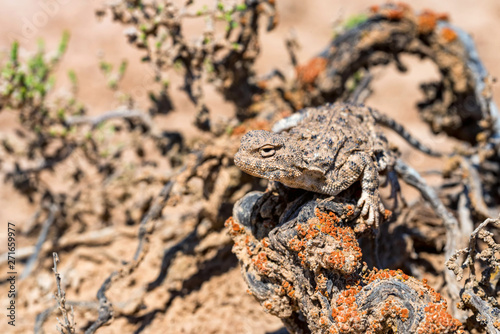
(326, 150)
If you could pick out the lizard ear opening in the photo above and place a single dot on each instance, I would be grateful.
(267, 151)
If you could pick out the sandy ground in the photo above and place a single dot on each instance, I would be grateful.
(312, 20)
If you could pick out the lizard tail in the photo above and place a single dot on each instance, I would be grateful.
(388, 122)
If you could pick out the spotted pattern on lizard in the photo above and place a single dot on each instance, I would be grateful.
(325, 150)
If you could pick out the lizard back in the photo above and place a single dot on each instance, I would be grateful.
(334, 131)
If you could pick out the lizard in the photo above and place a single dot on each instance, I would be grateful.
(326, 150)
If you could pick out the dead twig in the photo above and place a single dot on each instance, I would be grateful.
(69, 325)
(474, 186)
(413, 178)
(91, 238)
(486, 313)
(105, 306)
(53, 210)
(475, 293)
(44, 315)
(362, 90)
(153, 213)
(96, 120)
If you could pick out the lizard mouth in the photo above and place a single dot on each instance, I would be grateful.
(255, 169)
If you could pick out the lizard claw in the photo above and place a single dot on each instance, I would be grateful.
(371, 206)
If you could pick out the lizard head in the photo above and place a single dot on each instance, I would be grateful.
(269, 155)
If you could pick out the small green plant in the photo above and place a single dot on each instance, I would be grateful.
(355, 20)
(113, 78)
(26, 84)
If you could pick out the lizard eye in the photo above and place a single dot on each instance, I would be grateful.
(267, 151)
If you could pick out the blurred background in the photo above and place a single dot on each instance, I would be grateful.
(94, 40)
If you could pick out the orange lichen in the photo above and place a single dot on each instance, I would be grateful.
(265, 242)
(336, 259)
(426, 22)
(321, 281)
(345, 312)
(351, 211)
(267, 305)
(442, 16)
(374, 9)
(308, 73)
(234, 227)
(404, 5)
(437, 320)
(284, 113)
(239, 130)
(345, 236)
(394, 14)
(249, 125)
(448, 34)
(344, 259)
(260, 262)
(385, 274)
(262, 84)
(390, 309)
(404, 314)
(287, 289)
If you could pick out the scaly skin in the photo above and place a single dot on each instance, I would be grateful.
(324, 150)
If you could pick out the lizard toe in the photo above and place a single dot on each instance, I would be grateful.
(371, 209)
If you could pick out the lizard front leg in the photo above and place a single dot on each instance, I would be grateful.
(370, 197)
(359, 166)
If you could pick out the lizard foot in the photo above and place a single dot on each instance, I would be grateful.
(371, 207)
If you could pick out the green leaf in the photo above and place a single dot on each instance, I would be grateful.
(241, 7)
(14, 52)
(355, 20)
(61, 114)
(209, 67)
(113, 84)
(123, 68)
(72, 78)
(41, 45)
(105, 67)
(178, 64)
(63, 44)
